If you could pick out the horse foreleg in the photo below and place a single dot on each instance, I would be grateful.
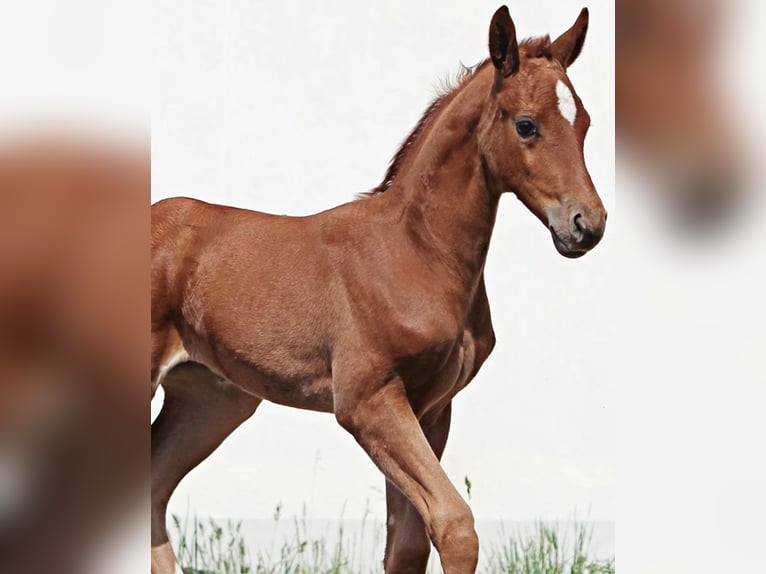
(199, 412)
(407, 543)
(382, 421)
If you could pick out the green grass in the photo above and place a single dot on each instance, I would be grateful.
(207, 547)
(544, 550)
(210, 548)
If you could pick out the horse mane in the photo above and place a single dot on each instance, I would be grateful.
(537, 47)
(530, 48)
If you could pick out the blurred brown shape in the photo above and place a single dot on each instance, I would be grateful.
(74, 235)
(671, 111)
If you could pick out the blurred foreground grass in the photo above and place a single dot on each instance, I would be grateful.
(208, 547)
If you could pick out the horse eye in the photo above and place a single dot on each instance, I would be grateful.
(526, 128)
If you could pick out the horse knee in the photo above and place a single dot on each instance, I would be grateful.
(454, 529)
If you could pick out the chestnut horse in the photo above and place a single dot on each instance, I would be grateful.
(375, 310)
(673, 110)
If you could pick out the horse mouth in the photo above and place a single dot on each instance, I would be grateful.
(564, 248)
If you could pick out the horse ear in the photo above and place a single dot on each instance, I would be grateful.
(567, 47)
(503, 47)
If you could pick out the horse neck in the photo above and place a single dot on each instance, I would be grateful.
(449, 206)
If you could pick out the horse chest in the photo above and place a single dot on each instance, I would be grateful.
(432, 387)
(465, 361)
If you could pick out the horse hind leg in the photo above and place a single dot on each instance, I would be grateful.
(198, 413)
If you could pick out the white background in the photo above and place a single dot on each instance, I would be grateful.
(296, 107)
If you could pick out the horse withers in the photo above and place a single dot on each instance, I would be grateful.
(375, 310)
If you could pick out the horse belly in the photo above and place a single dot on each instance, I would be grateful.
(277, 373)
(307, 391)
(308, 394)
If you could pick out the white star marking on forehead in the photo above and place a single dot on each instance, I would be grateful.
(567, 105)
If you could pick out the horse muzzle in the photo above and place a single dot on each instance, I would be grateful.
(578, 232)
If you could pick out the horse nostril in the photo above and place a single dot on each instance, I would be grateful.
(578, 223)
